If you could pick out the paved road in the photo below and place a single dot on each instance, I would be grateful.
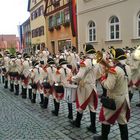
(22, 120)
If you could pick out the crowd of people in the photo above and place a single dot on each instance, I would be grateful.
(74, 77)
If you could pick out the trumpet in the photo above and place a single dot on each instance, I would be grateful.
(99, 57)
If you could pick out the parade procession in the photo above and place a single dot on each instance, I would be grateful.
(75, 81)
(72, 72)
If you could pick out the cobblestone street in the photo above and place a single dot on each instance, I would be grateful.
(22, 120)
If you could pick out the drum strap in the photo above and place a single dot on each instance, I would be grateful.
(65, 71)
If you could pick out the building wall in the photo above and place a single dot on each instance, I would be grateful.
(63, 34)
(8, 41)
(26, 35)
(56, 36)
(38, 22)
(100, 12)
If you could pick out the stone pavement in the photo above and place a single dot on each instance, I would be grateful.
(22, 120)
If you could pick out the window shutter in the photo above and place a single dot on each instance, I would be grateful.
(62, 17)
(54, 20)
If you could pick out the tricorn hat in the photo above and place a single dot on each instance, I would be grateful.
(50, 61)
(62, 61)
(89, 49)
(118, 54)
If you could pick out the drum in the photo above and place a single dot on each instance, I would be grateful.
(3, 69)
(13, 74)
(58, 88)
(70, 93)
(46, 85)
(22, 76)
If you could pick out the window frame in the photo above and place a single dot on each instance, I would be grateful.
(138, 25)
(114, 25)
(93, 32)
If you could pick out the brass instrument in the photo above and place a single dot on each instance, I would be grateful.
(99, 57)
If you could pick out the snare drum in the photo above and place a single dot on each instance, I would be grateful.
(70, 93)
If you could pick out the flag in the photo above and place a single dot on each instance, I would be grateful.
(73, 17)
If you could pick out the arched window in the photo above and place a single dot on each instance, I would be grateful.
(91, 31)
(114, 27)
(138, 25)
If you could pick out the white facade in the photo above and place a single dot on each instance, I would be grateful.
(106, 23)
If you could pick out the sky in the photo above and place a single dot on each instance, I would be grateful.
(12, 13)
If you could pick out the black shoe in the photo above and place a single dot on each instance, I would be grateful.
(77, 121)
(45, 103)
(54, 113)
(138, 105)
(30, 94)
(6, 85)
(75, 124)
(91, 129)
(70, 110)
(42, 99)
(34, 98)
(70, 117)
(12, 87)
(24, 93)
(16, 89)
(97, 138)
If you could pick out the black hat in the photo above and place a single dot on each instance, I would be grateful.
(89, 49)
(74, 49)
(103, 50)
(7, 52)
(111, 47)
(18, 53)
(25, 55)
(42, 62)
(62, 61)
(0, 55)
(34, 63)
(12, 56)
(50, 61)
(118, 54)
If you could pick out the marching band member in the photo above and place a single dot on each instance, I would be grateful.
(117, 89)
(134, 64)
(86, 92)
(25, 76)
(18, 71)
(5, 68)
(49, 81)
(73, 59)
(136, 71)
(12, 71)
(62, 76)
(37, 75)
(43, 54)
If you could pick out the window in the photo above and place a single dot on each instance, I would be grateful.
(51, 22)
(67, 15)
(41, 31)
(41, 10)
(58, 19)
(91, 32)
(138, 25)
(33, 33)
(114, 28)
